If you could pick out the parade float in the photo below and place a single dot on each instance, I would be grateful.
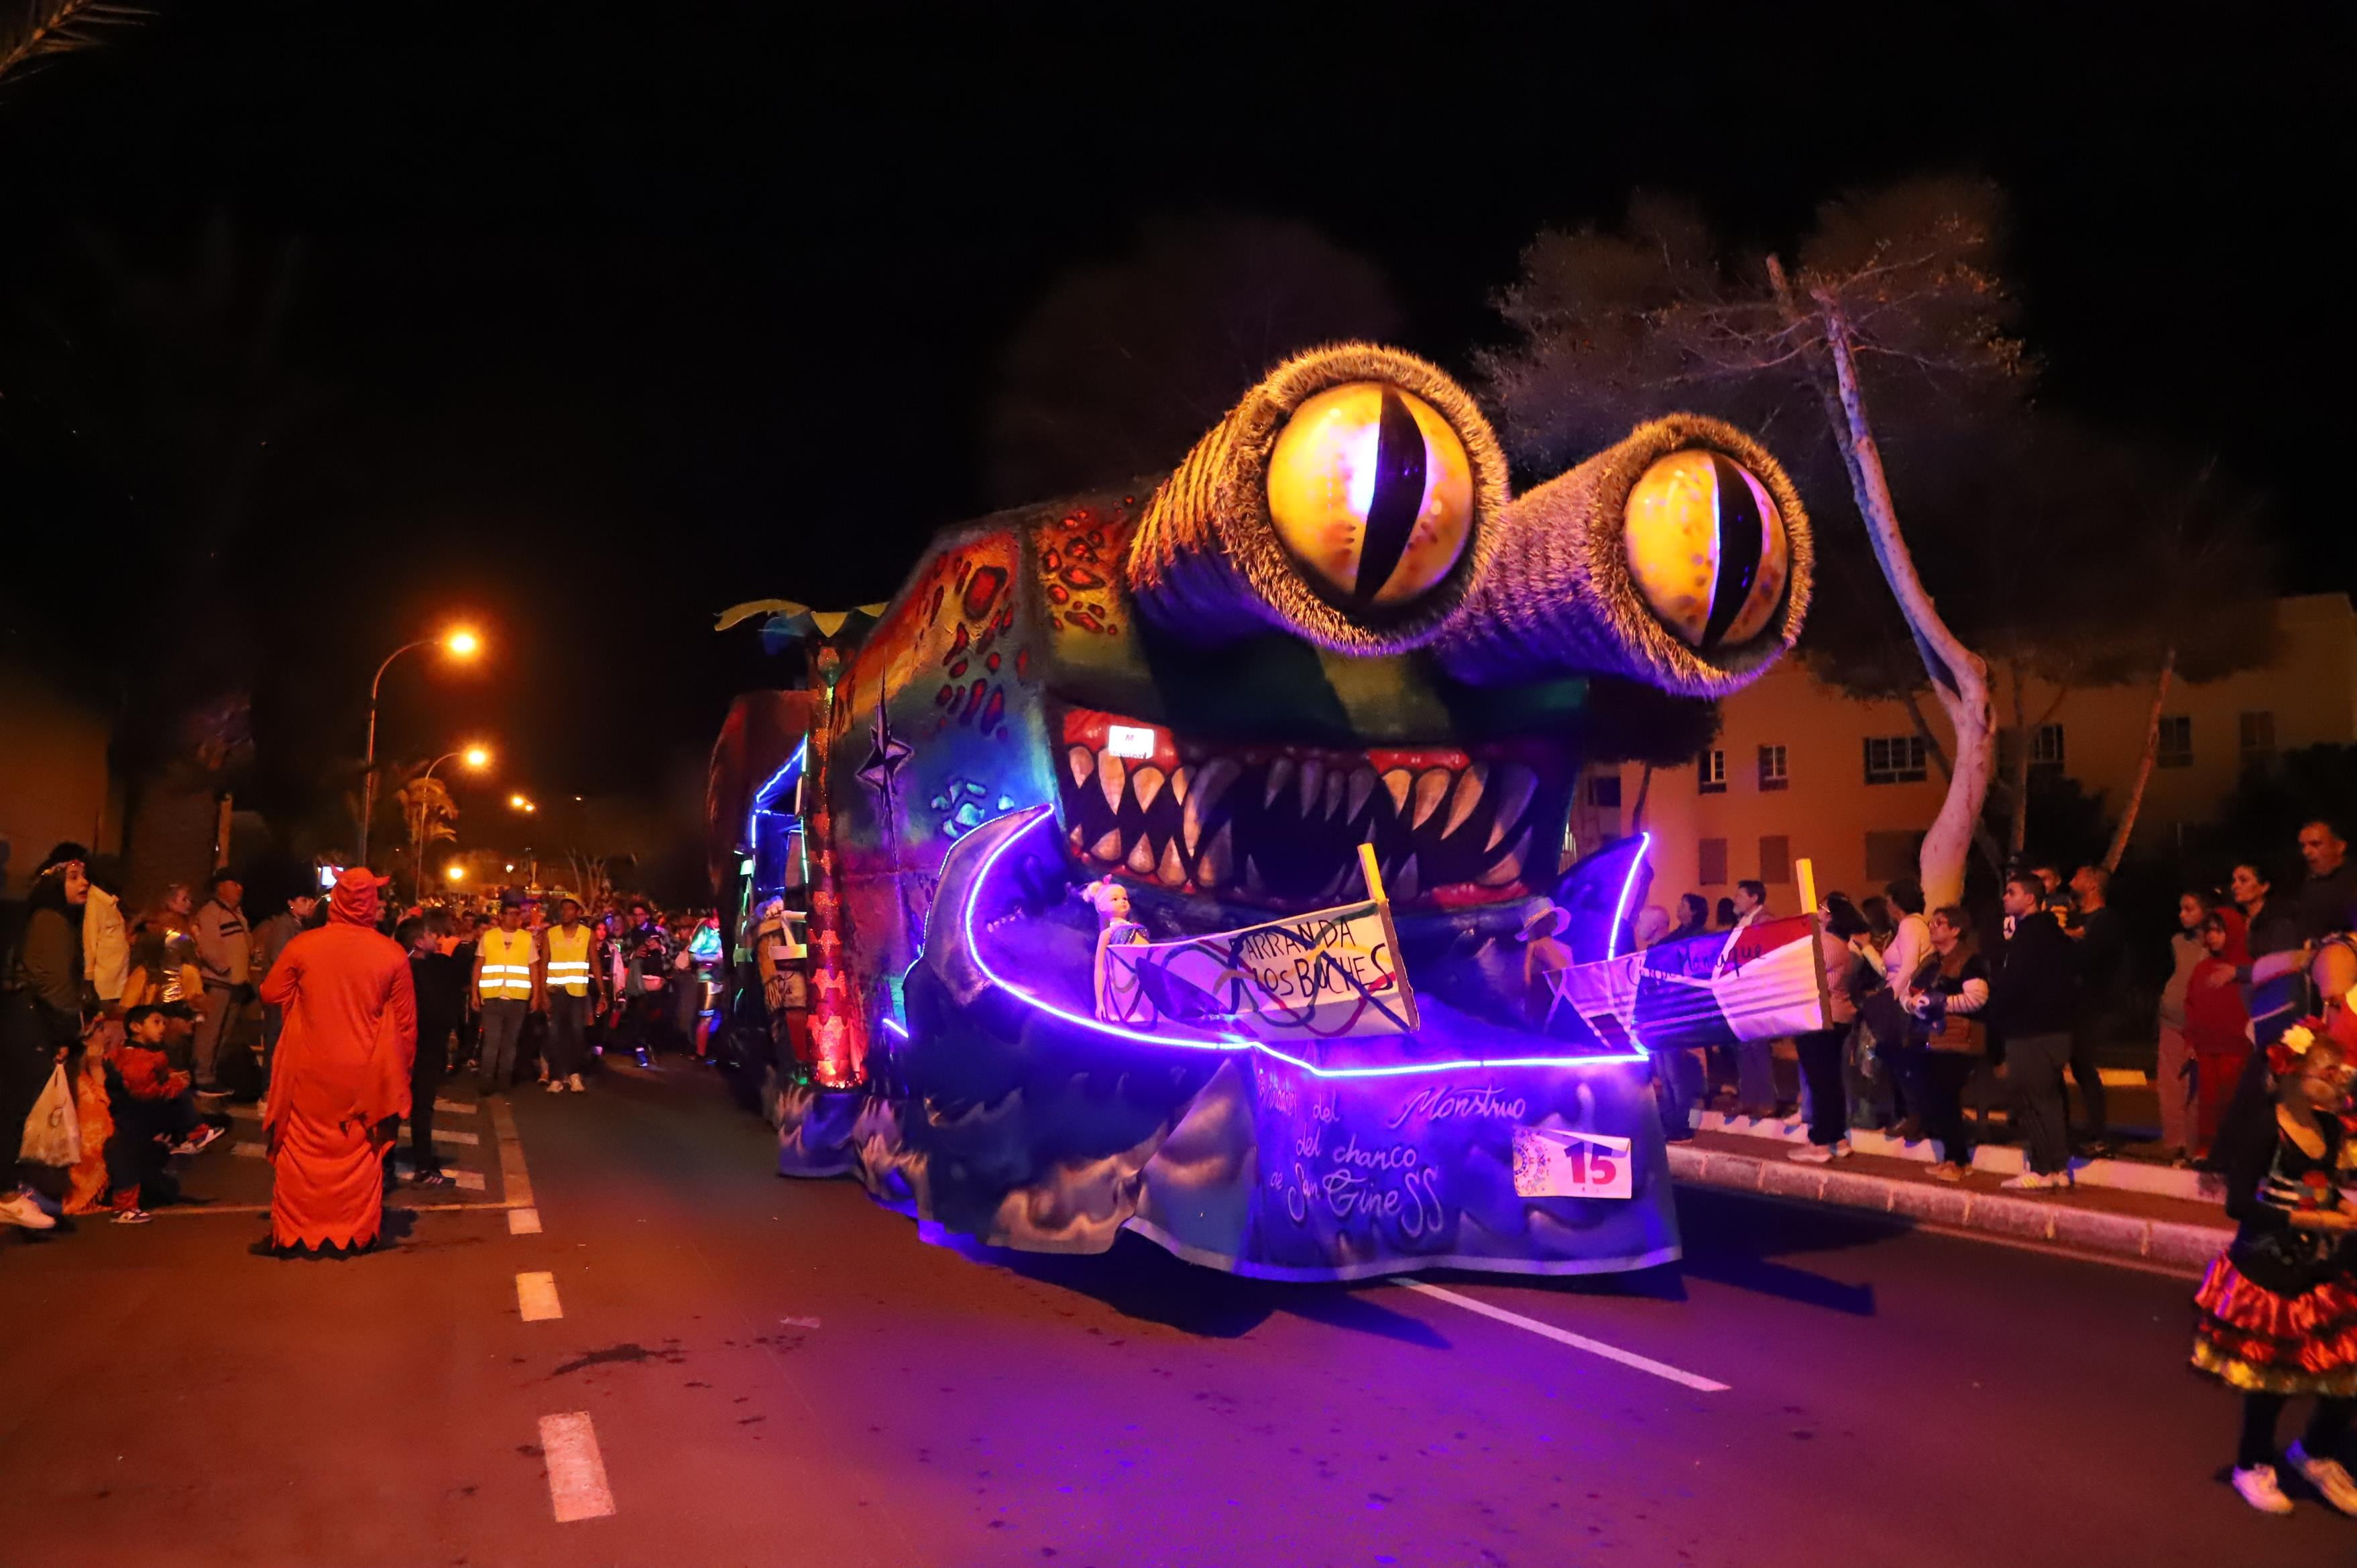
(1172, 858)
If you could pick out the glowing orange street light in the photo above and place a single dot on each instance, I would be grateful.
(478, 756)
(462, 643)
(459, 643)
(454, 871)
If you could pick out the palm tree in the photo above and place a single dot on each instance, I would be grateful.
(37, 29)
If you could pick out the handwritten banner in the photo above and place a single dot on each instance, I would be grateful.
(1761, 982)
(1322, 976)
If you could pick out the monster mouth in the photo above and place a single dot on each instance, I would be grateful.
(1280, 826)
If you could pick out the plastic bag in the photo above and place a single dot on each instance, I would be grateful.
(53, 1133)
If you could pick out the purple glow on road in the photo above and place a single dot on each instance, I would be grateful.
(1039, 814)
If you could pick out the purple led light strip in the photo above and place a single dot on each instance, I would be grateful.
(1039, 814)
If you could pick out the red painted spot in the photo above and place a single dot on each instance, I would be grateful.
(957, 670)
(1082, 577)
(943, 695)
(993, 710)
(1086, 619)
(974, 698)
(1022, 663)
(982, 591)
(991, 663)
(1058, 594)
(958, 643)
(1050, 561)
(934, 609)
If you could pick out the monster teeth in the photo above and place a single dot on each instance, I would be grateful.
(1111, 775)
(1108, 848)
(1146, 784)
(1405, 884)
(1468, 795)
(1362, 784)
(1178, 782)
(1210, 785)
(1333, 888)
(1075, 837)
(1085, 765)
(1397, 782)
(1254, 886)
(1212, 866)
(1280, 773)
(1313, 779)
(1510, 868)
(1333, 795)
(1172, 874)
(1515, 785)
(1429, 788)
(1141, 857)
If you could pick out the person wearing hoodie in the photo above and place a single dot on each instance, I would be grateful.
(2034, 999)
(105, 934)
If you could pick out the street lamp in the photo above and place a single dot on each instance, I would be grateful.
(476, 756)
(518, 803)
(454, 871)
(459, 643)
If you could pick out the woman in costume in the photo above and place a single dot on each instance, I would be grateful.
(2275, 1315)
(341, 1079)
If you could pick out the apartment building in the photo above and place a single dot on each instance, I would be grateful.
(1798, 769)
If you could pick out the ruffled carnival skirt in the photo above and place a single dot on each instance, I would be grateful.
(2256, 1340)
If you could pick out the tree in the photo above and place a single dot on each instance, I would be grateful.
(39, 29)
(1900, 281)
(430, 815)
(1123, 365)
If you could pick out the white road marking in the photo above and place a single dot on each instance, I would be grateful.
(514, 1180)
(523, 1221)
(251, 1151)
(536, 1297)
(470, 1180)
(449, 1135)
(577, 1476)
(1576, 1341)
(461, 1107)
(800, 1322)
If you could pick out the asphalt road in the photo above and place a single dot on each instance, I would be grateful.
(778, 1372)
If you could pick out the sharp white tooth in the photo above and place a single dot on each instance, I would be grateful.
(1141, 857)
(1085, 763)
(1362, 784)
(1313, 779)
(1075, 837)
(1210, 785)
(1178, 782)
(1397, 782)
(1280, 773)
(1334, 887)
(1468, 795)
(1515, 785)
(1405, 884)
(1429, 788)
(1172, 873)
(1253, 884)
(1108, 848)
(1112, 774)
(1212, 866)
(1333, 796)
(1146, 784)
(1510, 868)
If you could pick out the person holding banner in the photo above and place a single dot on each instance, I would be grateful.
(1820, 1050)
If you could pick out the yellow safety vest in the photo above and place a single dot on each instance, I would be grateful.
(507, 964)
(569, 961)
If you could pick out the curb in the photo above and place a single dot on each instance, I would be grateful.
(1997, 1159)
(2171, 1244)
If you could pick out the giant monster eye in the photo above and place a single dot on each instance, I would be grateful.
(1370, 493)
(1706, 548)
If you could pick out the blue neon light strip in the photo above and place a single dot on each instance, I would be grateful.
(792, 764)
(1039, 814)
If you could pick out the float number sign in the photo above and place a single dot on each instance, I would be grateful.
(1551, 1164)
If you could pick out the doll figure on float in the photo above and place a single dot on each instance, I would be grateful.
(1110, 899)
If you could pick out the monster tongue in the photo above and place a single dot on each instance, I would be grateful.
(1398, 500)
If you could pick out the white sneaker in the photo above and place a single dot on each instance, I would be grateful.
(2258, 1488)
(19, 1208)
(2327, 1475)
(554, 1085)
(2030, 1181)
(573, 1082)
(1813, 1154)
(1841, 1150)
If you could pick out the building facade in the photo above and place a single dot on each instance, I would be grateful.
(1798, 769)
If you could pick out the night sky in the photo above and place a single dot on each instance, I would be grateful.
(605, 317)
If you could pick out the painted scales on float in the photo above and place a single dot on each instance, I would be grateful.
(1188, 861)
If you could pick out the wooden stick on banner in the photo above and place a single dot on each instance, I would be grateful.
(1807, 874)
(1373, 872)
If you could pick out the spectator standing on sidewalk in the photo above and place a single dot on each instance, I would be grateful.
(2217, 1026)
(2034, 1000)
(40, 1025)
(1821, 1050)
(506, 991)
(270, 940)
(2271, 931)
(105, 938)
(1947, 1039)
(2177, 1076)
(435, 982)
(225, 959)
(2328, 899)
(1755, 1060)
(2277, 1315)
(2102, 954)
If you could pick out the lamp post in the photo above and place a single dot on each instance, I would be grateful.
(476, 756)
(459, 643)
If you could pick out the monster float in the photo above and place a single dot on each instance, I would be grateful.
(1166, 852)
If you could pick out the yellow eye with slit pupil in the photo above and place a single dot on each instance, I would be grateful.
(1370, 493)
(1708, 548)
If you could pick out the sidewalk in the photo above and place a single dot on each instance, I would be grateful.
(2100, 1217)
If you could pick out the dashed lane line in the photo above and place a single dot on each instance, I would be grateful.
(523, 1221)
(536, 1297)
(1576, 1341)
(577, 1475)
(515, 1182)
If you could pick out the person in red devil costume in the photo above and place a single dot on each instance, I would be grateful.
(341, 1077)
